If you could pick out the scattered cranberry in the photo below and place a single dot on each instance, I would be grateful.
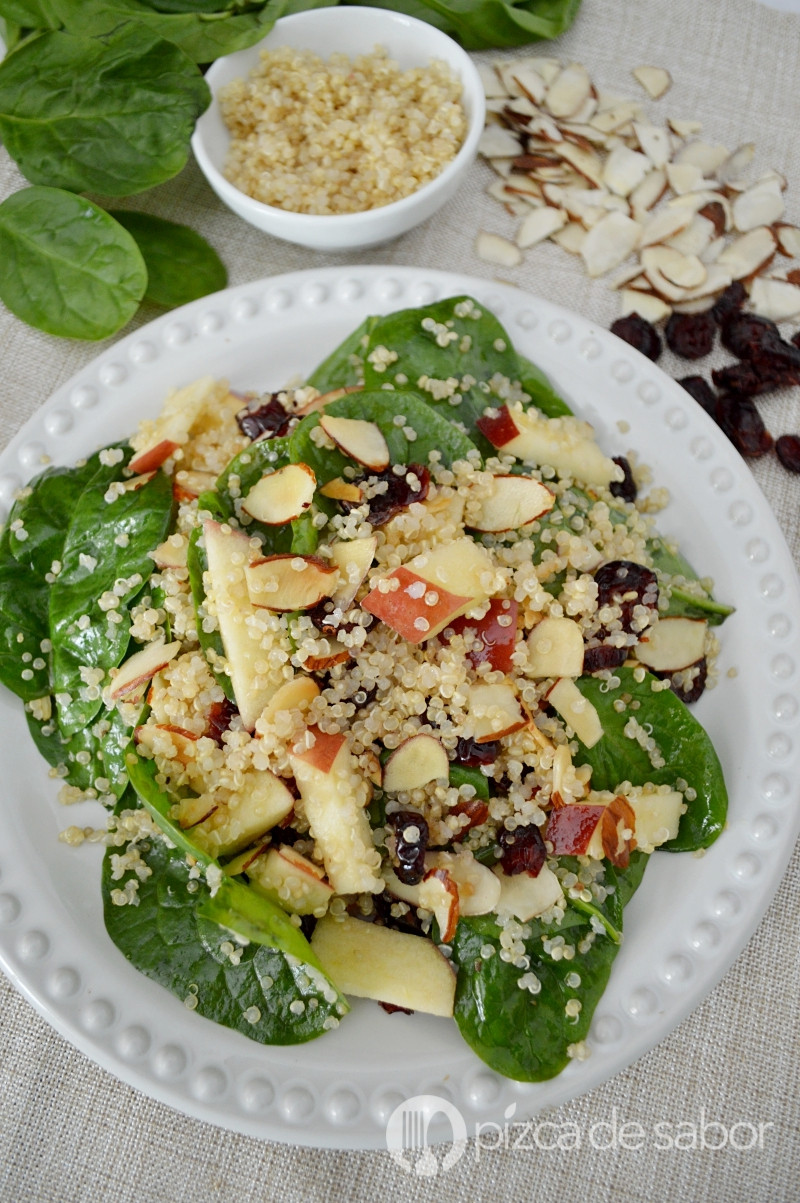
(637, 331)
(626, 584)
(219, 719)
(744, 426)
(523, 850)
(701, 390)
(625, 489)
(400, 493)
(787, 448)
(729, 303)
(603, 655)
(691, 335)
(391, 1009)
(270, 420)
(747, 379)
(796, 339)
(476, 810)
(411, 841)
(472, 755)
(695, 689)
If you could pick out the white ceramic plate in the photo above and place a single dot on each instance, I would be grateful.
(691, 916)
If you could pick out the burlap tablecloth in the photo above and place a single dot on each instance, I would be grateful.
(70, 1131)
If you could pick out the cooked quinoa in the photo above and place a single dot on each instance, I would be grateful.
(320, 137)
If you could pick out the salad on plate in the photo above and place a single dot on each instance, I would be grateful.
(385, 680)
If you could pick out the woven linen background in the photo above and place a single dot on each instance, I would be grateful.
(70, 1131)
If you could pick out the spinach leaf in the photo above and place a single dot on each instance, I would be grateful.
(68, 268)
(668, 561)
(245, 470)
(479, 24)
(687, 751)
(112, 116)
(210, 641)
(462, 774)
(522, 1035)
(344, 367)
(94, 757)
(540, 390)
(95, 568)
(181, 266)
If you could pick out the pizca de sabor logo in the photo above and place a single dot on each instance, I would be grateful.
(407, 1136)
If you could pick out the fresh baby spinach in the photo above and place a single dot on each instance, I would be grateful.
(68, 268)
(181, 266)
(690, 603)
(683, 751)
(210, 641)
(479, 24)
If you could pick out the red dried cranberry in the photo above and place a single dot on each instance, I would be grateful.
(691, 692)
(523, 850)
(758, 340)
(603, 655)
(637, 331)
(626, 584)
(748, 379)
(744, 426)
(691, 335)
(795, 339)
(625, 489)
(787, 448)
(701, 390)
(729, 303)
(270, 420)
(391, 1009)
(399, 494)
(472, 755)
(411, 841)
(219, 719)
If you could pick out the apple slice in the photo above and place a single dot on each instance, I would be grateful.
(193, 811)
(657, 815)
(285, 582)
(524, 896)
(576, 711)
(513, 502)
(157, 440)
(260, 802)
(333, 794)
(564, 443)
(555, 648)
(672, 643)
(291, 880)
(390, 966)
(281, 496)
(494, 711)
(575, 830)
(353, 558)
(141, 667)
(478, 888)
(358, 439)
(491, 639)
(416, 762)
(248, 634)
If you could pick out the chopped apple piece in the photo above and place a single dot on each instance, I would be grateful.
(291, 880)
(575, 830)
(248, 634)
(192, 811)
(672, 643)
(658, 816)
(524, 896)
(172, 553)
(555, 648)
(141, 667)
(183, 409)
(360, 440)
(564, 443)
(513, 503)
(239, 864)
(389, 966)
(353, 558)
(491, 639)
(281, 496)
(261, 801)
(494, 711)
(416, 762)
(285, 582)
(576, 711)
(334, 794)
(163, 739)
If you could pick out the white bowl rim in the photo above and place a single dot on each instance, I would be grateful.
(471, 85)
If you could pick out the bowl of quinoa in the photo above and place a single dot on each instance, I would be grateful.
(342, 129)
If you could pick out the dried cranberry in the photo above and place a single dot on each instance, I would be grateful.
(758, 340)
(695, 689)
(523, 850)
(476, 810)
(787, 448)
(691, 335)
(625, 489)
(795, 339)
(626, 584)
(399, 494)
(744, 426)
(472, 755)
(749, 379)
(391, 1009)
(219, 719)
(729, 303)
(411, 841)
(270, 419)
(637, 331)
(603, 655)
(699, 388)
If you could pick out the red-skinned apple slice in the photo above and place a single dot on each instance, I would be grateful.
(495, 711)
(478, 888)
(194, 811)
(157, 440)
(564, 443)
(285, 583)
(673, 643)
(258, 805)
(555, 648)
(153, 457)
(188, 484)
(281, 496)
(296, 694)
(513, 503)
(416, 762)
(438, 893)
(570, 828)
(358, 439)
(141, 667)
(491, 639)
(291, 880)
(657, 816)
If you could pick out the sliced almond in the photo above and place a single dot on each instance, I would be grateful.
(586, 162)
(611, 119)
(685, 271)
(778, 300)
(287, 582)
(758, 206)
(492, 84)
(514, 502)
(718, 212)
(497, 142)
(568, 91)
(734, 167)
(788, 239)
(609, 243)
(359, 440)
(651, 308)
(655, 80)
(624, 169)
(713, 250)
(647, 194)
(748, 254)
(570, 237)
(492, 248)
(702, 155)
(684, 129)
(544, 65)
(654, 141)
(530, 83)
(281, 496)
(684, 177)
(663, 225)
(694, 238)
(539, 225)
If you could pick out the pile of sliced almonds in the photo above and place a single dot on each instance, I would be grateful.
(591, 172)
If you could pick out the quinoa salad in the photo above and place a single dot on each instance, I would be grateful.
(385, 681)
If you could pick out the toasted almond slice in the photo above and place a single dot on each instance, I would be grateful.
(514, 502)
(654, 141)
(609, 120)
(568, 91)
(651, 308)
(585, 112)
(684, 177)
(503, 167)
(703, 155)
(498, 142)
(586, 162)
(531, 83)
(624, 169)
(287, 582)
(655, 80)
(717, 278)
(685, 271)
(543, 126)
(758, 206)
(788, 239)
(492, 248)
(538, 225)
(360, 440)
(582, 133)
(663, 225)
(748, 254)
(492, 83)
(647, 194)
(734, 167)
(694, 238)
(282, 495)
(713, 250)
(609, 243)
(778, 300)
(519, 112)
(141, 667)
(519, 183)
(718, 212)
(545, 65)
(626, 277)
(570, 237)
(342, 490)
(684, 129)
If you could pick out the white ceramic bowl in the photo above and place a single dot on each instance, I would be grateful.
(351, 31)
